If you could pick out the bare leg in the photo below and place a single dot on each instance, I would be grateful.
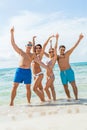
(28, 94)
(41, 89)
(67, 91)
(48, 84)
(36, 88)
(13, 93)
(75, 90)
(53, 92)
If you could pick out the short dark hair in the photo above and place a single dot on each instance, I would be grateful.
(39, 45)
(36, 46)
(62, 46)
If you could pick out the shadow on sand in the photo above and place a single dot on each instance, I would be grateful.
(60, 102)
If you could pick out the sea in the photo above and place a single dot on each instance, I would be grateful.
(6, 81)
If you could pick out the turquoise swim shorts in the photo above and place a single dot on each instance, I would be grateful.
(67, 76)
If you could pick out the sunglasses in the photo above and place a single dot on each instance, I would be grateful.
(51, 51)
(29, 45)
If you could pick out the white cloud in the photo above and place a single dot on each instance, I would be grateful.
(28, 24)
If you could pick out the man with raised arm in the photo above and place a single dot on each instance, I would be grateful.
(23, 72)
(66, 72)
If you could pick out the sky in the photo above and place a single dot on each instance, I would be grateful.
(42, 18)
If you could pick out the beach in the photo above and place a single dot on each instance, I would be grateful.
(46, 41)
(61, 114)
(55, 115)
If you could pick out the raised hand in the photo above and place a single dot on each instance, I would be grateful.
(81, 36)
(57, 35)
(34, 37)
(12, 29)
(52, 36)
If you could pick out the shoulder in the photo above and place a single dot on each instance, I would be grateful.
(58, 57)
(67, 53)
(21, 52)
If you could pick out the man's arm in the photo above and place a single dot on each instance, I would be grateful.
(16, 48)
(44, 46)
(78, 41)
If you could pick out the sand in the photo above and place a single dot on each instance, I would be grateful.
(58, 115)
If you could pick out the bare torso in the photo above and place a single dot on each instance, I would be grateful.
(25, 60)
(63, 62)
(49, 64)
(36, 67)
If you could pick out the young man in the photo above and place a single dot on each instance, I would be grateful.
(38, 74)
(23, 72)
(66, 72)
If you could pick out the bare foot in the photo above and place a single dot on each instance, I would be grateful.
(11, 104)
(70, 99)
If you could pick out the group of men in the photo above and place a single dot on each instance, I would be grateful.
(23, 72)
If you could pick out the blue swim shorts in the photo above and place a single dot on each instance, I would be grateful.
(67, 76)
(23, 75)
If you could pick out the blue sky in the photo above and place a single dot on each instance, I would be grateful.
(42, 18)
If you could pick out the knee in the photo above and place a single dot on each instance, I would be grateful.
(42, 76)
(41, 88)
(52, 89)
(66, 87)
(74, 86)
(14, 87)
(28, 89)
(45, 89)
(34, 89)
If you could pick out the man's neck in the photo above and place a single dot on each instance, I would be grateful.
(27, 52)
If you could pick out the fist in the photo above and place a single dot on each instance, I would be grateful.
(57, 35)
(51, 36)
(12, 29)
(81, 36)
(34, 37)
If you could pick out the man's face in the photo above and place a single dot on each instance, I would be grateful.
(38, 49)
(62, 50)
(29, 46)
